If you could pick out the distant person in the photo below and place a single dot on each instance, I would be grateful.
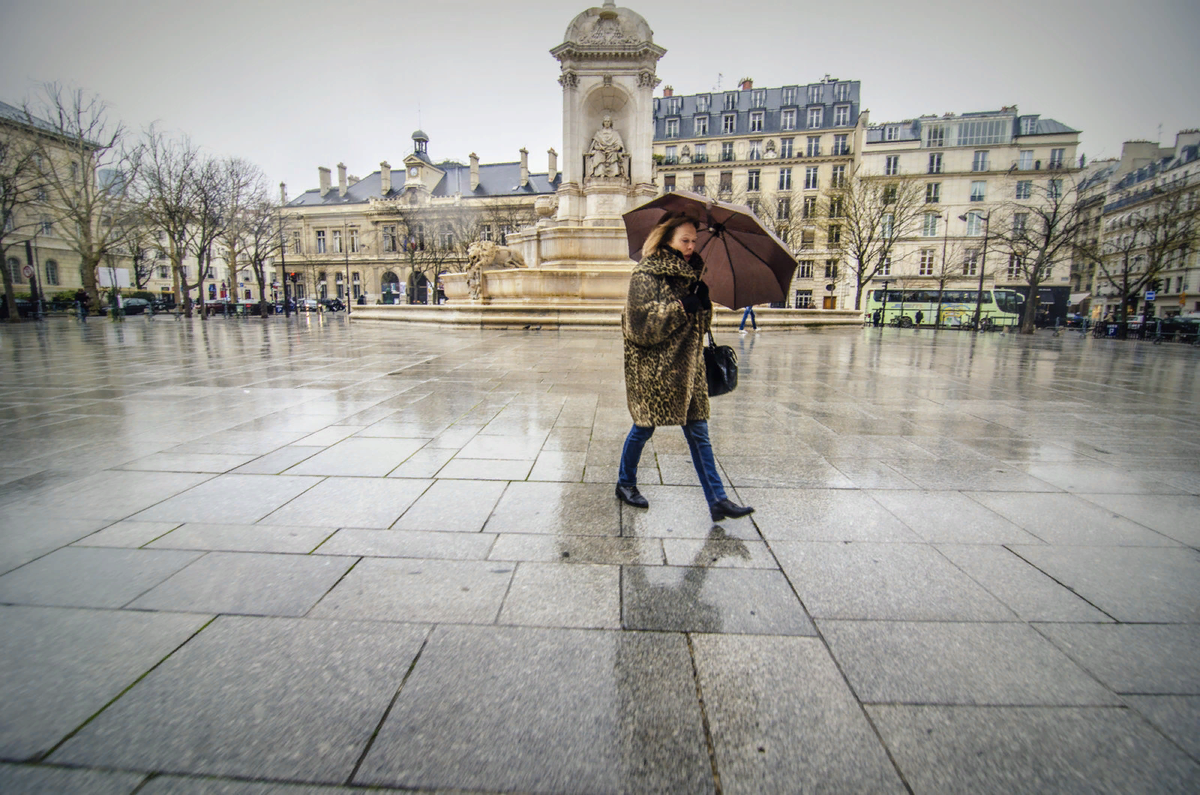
(749, 313)
(877, 318)
(920, 317)
(81, 302)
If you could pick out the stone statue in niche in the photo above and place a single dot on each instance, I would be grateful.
(685, 156)
(606, 158)
(770, 154)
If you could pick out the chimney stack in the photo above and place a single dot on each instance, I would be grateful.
(341, 167)
(747, 84)
(385, 178)
(474, 170)
(552, 172)
(668, 91)
(323, 176)
(524, 167)
(283, 193)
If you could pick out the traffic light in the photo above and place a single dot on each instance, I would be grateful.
(294, 276)
(1156, 284)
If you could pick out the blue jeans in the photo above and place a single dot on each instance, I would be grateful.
(696, 434)
(749, 313)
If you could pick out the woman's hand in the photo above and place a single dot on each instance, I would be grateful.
(700, 290)
(691, 303)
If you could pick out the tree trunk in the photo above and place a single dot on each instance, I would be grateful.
(1028, 320)
(858, 291)
(10, 296)
(88, 275)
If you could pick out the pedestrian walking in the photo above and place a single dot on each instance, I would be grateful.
(920, 317)
(749, 313)
(81, 302)
(877, 318)
(667, 313)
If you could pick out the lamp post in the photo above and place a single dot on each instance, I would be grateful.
(283, 274)
(346, 255)
(883, 318)
(987, 220)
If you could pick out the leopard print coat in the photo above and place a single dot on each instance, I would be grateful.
(664, 358)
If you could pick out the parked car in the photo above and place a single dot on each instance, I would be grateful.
(333, 304)
(135, 306)
(309, 305)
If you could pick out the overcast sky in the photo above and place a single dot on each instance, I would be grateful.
(295, 84)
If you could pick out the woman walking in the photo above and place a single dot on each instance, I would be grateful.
(667, 314)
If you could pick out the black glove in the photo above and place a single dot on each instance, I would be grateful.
(696, 261)
(700, 290)
(691, 303)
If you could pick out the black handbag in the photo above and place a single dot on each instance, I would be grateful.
(720, 366)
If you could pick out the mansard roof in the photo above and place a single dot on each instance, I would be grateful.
(687, 107)
(496, 180)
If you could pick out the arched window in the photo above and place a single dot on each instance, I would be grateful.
(51, 272)
(14, 270)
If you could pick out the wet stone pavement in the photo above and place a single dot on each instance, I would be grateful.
(312, 557)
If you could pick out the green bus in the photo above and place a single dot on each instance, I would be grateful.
(999, 307)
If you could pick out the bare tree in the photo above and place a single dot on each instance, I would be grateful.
(1037, 232)
(244, 185)
(259, 240)
(19, 177)
(424, 246)
(871, 214)
(90, 165)
(168, 188)
(1145, 239)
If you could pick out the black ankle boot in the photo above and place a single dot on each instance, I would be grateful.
(726, 509)
(631, 496)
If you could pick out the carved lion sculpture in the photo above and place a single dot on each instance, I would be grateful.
(485, 254)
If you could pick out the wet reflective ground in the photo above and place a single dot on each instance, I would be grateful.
(239, 556)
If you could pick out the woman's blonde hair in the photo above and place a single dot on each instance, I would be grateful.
(661, 234)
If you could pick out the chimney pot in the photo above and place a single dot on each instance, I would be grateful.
(385, 178)
(747, 84)
(668, 91)
(524, 167)
(283, 193)
(341, 167)
(474, 170)
(552, 171)
(323, 178)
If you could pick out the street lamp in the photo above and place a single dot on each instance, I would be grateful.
(883, 317)
(283, 274)
(987, 220)
(346, 255)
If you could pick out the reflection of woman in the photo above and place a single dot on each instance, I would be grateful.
(666, 316)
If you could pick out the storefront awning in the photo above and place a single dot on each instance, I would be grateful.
(1079, 298)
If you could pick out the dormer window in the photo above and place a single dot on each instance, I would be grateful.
(702, 103)
(789, 96)
(841, 92)
(815, 94)
(758, 98)
(731, 100)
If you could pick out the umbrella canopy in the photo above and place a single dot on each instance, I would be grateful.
(744, 264)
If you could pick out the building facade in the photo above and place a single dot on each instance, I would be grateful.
(1149, 227)
(975, 170)
(387, 236)
(776, 150)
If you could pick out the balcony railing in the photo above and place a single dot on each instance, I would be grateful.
(727, 157)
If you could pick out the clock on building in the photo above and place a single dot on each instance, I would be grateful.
(413, 171)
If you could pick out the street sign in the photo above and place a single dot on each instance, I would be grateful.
(1149, 295)
(28, 271)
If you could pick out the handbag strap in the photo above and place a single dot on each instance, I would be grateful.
(711, 342)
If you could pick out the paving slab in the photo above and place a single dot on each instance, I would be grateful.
(28, 536)
(128, 533)
(379, 589)
(1134, 658)
(783, 719)
(1175, 516)
(1175, 716)
(951, 517)
(577, 549)
(884, 581)
(1004, 750)
(242, 538)
(282, 699)
(229, 499)
(359, 458)
(824, 515)
(703, 599)
(45, 780)
(112, 494)
(556, 509)
(248, 583)
(63, 665)
(408, 544)
(958, 663)
(553, 595)
(91, 577)
(1134, 584)
(1071, 520)
(350, 502)
(543, 710)
(453, 506)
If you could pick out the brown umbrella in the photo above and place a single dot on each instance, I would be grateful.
(744, 264)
